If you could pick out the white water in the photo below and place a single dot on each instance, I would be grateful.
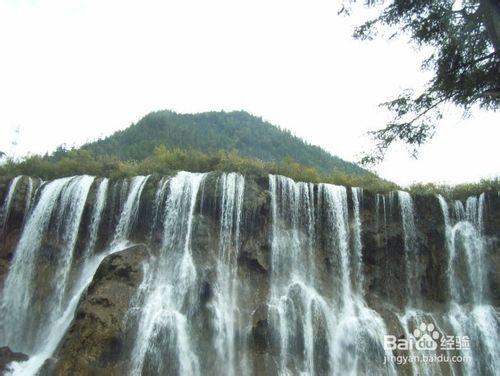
(294, 301)
(337, 227)
(317, 311)
(302, 313)
(411, 248)
(22, 325)
(225, 304)
(163, 339)
(470, 313)
(357, 199)
(381, 217)
(157, 205)
(31, 191)
(130, 209)
(5, 208)
(61, 324)
(97, 214)
(357, 339)
(67, 196)
(413, 315)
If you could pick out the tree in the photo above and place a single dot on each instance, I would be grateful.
(465, 40)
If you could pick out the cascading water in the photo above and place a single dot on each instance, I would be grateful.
(470, 312)
(320, 332)
(5, 209)
(164, 341)
(60, 207)
(163, 344)
(25, 318)
(358, 275)
(129, 210)
(359, 331)
(29, 195)
(294, 302)
(157, 205)
(193, 311)
(225, 304)
(410, 246)
(413, 316)
(97, 210)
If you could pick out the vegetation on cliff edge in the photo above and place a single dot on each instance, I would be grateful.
(167, 161)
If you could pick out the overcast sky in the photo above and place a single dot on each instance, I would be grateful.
(71, 71)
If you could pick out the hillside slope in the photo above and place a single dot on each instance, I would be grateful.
(211, 131)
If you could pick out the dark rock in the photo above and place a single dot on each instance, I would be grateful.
(100, 337)
(13, 227)
(7, 356)
(97, 340)
(260, 330)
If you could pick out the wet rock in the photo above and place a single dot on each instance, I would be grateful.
(97, 340)
(10, 234)
(100, 338)
(260, 330)
(7, 356)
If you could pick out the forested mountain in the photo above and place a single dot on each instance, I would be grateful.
(212, 131)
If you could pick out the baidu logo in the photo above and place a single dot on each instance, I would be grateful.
(422, 346)
(426, 337)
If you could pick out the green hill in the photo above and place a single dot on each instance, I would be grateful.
(212, 131)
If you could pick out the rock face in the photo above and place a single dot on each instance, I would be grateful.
(384, 256)
(97, 342)
(7, 356)
(234, 275)
(12, 215)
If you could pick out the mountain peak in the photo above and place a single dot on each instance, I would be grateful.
(211, 131)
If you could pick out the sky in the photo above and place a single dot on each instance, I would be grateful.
(72, 71)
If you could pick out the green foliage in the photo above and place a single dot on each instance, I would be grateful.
(165, 142)
(371, 182)
(213, 131)
(75, 162)
(459, 191)
(464, 38)
(165, 161)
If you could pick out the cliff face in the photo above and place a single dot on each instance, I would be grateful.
(224, 274)
(96, 341)
(16, 197)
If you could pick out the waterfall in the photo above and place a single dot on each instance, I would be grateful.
(97, 210)
(157, 205)
(335, 203)
(357, 199)
(63, 201)
(130, 208)
(60, 207)
(357, 338)
(379, 202)
(31, 190)
(225, 305)
(381, 213)
(467, 248)
(163, 343)
(320, 332)
(410, 247)
(413, 316)
(5, 209)
(294, 303)
(229, 264)
(470, 313)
